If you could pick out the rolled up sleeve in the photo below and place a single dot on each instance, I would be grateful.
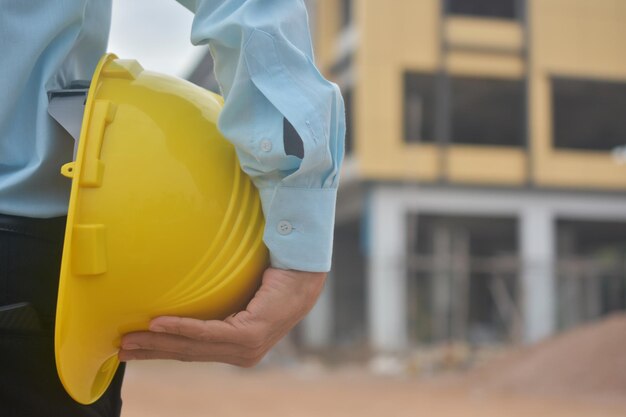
(264, 65)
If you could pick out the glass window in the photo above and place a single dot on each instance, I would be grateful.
(590, 273)
(419, 107)
(462, 271)
(347, 99)
(487, 111)
(588, 114)
(503, 9)
(203, 74)
(346, 12)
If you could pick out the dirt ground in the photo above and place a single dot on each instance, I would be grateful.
(580, 373)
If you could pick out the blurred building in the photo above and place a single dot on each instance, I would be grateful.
(483, 197)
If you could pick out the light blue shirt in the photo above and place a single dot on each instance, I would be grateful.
(264, 64)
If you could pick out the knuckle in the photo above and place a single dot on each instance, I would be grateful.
(194, 350)
(255, 339)
(179, 329)
(140, 354)
(154, 342)
(252, 357)
(249, 354)
(206, 335)
(249, 362)
(149, 344)
(256, 352)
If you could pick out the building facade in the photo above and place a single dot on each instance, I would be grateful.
(483, 198)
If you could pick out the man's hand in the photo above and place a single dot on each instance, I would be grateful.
(284, 298)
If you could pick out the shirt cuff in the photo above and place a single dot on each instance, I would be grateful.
(299, 225)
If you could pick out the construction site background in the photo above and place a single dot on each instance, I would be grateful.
(580, 373)
(480, 243)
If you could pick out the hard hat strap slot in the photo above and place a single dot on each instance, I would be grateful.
(102, 114)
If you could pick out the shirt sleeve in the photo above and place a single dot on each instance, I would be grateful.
(285, 120)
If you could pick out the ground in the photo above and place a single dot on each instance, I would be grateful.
(581, 373)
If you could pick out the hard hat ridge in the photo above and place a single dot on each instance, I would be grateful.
(161, 220)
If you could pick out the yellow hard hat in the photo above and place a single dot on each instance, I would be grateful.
(161, 220)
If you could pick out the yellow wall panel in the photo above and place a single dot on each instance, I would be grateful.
(485, 65)
(585, 37)
(494, 34)
(413, 162)
(404, 32)
(325, 32)
(578, 38)
(392, 39)
(581, 169)
(486, 165)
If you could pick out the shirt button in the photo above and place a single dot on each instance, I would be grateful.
(284, 227)
(266, 145)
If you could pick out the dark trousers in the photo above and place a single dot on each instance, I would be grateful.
(30, 260)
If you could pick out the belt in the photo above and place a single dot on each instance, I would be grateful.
(47, 229)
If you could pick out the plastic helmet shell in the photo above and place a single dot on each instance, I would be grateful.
(161, 220)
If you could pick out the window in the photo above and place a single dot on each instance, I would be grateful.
(345, 12)
(419, 107)
(462, 278)
(487, 111)
(476, 111)
(590, 274)
(502, 9)
(347, 100)
(204, 75)
(588, 114)
(343, 65)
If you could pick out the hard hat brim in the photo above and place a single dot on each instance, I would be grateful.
(141, 188)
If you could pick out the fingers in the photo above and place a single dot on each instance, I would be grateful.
(140, 354)
(176, 344)
(242, 339)
(235, 330)
(209, 330)
(150, 345)
(252, 342)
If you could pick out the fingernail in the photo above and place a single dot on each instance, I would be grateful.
(131, 346)
(157, 329)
